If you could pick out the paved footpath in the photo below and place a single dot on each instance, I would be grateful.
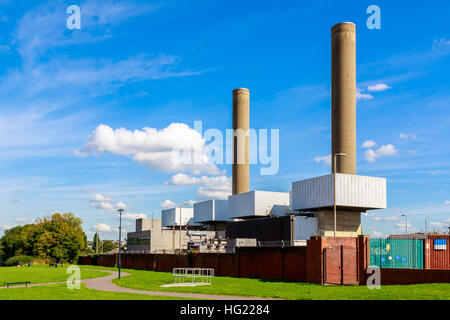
(106, 284)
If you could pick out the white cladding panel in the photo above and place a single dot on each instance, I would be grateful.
(305, 228)
(351, 191)
(171, 216)
(258, 203)
(211, 210)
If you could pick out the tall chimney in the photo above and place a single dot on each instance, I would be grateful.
(343, 96)
(241, 123)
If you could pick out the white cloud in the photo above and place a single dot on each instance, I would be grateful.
(439, 224)
(369, 214)
(5, 227)
(133, 216)
(211, 187)
(384, 151)
(375, 233)
(101, 227)
(378, 87)
(25, 220)
(390, 218)
(440, 43)
(376, 218)
(325, 159)
(103, 201)
(369, 144)
(447, 202)
(410, 136)
(176, 148)
(362, 96)
(167, 204)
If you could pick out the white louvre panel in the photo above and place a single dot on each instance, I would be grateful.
(258, 203)
(352, 191)
(171, 216)
(210, 211)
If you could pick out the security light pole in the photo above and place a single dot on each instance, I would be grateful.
(426, 227)
(181, 204)
(406, 223)
(334, 178)
(120, 238)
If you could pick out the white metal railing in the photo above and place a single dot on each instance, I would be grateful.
(195, 275)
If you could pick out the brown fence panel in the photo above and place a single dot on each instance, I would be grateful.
(294, 263)
(150, 262)
(228, 265)
(263, 263)
(166, 262)
(207, 260)
(393, 276)
(84, 260)
(184, 261)
(140, 261)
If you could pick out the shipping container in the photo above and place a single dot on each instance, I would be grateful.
(397, 253)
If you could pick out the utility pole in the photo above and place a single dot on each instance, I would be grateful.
(181, 204)
(426, 227)
(406, 223)
(96, 239)
(334, 178)
(120, 238)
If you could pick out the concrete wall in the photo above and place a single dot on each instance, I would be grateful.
(359, 192)
(348, 223)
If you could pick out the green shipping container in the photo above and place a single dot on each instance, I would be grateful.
(396, 253)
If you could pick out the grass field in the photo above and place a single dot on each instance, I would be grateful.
(42, 274)
(60, 292)
(150, 280)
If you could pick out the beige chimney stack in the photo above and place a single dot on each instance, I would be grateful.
(241, 124)
(343, 96)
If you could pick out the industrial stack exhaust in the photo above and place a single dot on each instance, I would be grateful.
(241, 124)
(343, 96)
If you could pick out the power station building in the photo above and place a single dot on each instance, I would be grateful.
(329, 205)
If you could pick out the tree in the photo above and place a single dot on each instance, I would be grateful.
(95, 242)
(108, 246)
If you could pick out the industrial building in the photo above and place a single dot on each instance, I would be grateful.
(329, 205)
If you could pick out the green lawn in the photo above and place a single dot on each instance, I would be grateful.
(150, 280)
(42, 274)
(61, 292)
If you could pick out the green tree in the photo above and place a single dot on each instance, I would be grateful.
(95, 241)
(108, 245)
(58, 237)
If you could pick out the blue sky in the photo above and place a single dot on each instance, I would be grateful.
(165, 64)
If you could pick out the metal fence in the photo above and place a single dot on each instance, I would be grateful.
(397, 253)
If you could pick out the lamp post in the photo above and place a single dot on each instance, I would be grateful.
(181, 204)
(334, 178)
(120, 237)
(426, 226)
(406, 223)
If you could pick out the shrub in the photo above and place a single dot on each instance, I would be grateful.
(14, 261)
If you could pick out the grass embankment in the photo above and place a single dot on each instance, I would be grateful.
(150, 280)
(42, 274)
(61, 292)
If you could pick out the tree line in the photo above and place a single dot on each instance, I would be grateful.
(49, 239)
